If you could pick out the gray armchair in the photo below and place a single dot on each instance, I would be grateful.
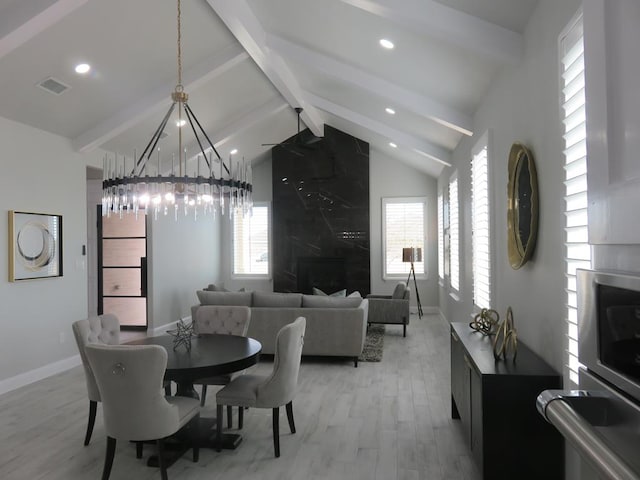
(391, 309)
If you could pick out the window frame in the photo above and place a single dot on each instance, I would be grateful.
(455, 291)
(571, 361)
(390, 200)
(483, 143)
(258, 276)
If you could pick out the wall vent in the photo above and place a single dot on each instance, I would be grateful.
(54, 86)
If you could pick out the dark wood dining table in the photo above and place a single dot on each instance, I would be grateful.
(209, 355)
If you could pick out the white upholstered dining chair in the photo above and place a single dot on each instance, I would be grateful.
(220, 319)
(105, 330)
(269, 391)
(130, 379)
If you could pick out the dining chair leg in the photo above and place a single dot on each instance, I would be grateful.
(193, 430)
(240, 417)
(108, 459)
(161, 460)
(93, 407)
(229, 416)
(292, 424)
(276, 430)
(219, 413)
(139, 446)
(203, 397)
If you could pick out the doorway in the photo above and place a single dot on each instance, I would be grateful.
(122, 268)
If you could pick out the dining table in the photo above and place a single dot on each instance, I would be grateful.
(204, 356)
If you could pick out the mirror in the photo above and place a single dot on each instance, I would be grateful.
(522, 206)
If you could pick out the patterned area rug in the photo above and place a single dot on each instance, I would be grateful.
(373, 343)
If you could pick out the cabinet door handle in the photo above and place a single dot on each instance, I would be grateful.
(455, 337)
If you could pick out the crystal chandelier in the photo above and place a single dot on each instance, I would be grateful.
(129, 187)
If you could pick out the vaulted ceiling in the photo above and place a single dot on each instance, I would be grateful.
(247, 63)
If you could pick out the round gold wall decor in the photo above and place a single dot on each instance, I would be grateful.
(522, 206)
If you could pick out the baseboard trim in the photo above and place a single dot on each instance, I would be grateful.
(26, 378)
(425, 310)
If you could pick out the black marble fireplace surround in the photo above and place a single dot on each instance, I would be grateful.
(321, 214)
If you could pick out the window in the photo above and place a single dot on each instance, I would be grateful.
(454, 235)
(577, 249)
(403, 226)
(480, 226)
(251, 242)
(441, 235)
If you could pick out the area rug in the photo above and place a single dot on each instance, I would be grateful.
(373, 343)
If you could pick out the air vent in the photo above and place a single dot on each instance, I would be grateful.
(54, 86)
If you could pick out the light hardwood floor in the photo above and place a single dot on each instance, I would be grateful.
(384, 421)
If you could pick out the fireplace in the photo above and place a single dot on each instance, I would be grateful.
(326, 273)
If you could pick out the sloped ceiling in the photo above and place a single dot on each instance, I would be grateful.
(247, 63)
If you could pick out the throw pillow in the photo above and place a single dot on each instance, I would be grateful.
(354, 294)
(339, 293)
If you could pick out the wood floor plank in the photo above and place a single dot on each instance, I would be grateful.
(387, 420)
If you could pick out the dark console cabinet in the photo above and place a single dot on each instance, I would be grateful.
(496, 404)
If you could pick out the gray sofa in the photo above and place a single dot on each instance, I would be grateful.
(335, 326)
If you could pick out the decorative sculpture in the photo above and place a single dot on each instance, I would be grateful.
(505, 341)
(182, 335)
(484, 321)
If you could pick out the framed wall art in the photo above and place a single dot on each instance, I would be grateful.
(35, 246)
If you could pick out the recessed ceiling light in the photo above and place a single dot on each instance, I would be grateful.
(234, 151)
(83, 68)
(390, 111)
(392, 145)
(388, 44)
(181, 123)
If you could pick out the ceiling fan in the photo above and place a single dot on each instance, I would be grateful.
(298, 143)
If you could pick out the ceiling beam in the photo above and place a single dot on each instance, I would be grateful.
(416, 103)
(255, 116)
(22, 20)
(242, 22)
(402, 139)
(161, 96)
(428, 17)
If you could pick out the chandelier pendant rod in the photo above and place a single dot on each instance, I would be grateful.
(154, 140)
(188, 109)
(191, 117)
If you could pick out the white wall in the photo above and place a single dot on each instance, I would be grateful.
(522, 105)
(42, 173)
(390, 178)
(184, 255)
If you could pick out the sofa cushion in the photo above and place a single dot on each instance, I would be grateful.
(319, 301)
(398, 292)
(339, 293)
(224, 298)
(274, 299)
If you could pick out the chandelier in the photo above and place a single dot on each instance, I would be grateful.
(129, 187)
